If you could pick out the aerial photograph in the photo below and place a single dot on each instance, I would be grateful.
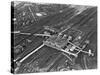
(50, 37)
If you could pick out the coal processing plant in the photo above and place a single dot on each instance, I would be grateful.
(52, 37)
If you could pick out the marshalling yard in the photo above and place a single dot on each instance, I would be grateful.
(53, 37)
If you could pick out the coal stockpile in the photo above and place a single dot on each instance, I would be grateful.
(53, 37)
